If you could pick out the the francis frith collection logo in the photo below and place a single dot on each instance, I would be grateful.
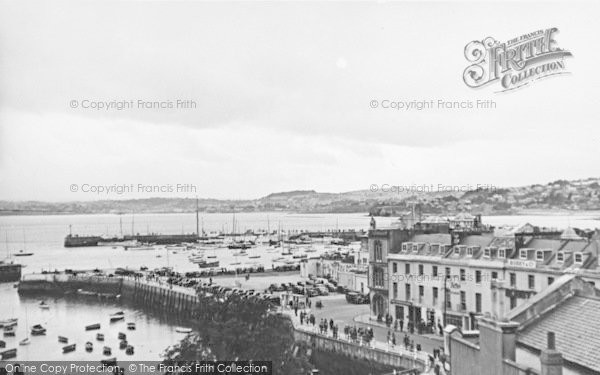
(515, 63)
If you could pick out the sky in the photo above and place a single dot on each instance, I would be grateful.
(283, 94)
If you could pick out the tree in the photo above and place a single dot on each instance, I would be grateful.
(233, 328)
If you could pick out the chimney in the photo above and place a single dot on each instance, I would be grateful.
(551, 360)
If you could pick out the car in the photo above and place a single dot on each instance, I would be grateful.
(323, 291)
(312, 292)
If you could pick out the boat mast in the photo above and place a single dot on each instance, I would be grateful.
(197, 223)
(121, 225)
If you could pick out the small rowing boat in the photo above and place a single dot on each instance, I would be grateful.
(63, 339)
(69, 348)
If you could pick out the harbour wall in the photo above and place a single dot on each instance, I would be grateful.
(358, 352)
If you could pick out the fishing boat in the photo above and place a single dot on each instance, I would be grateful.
(241, 253)
(207, 264)
(117, 316)
(2, 344)
(183, 330)
(123, 344)
(92, 327)
(69, 348)
(211, 256)
(129, 350)
(131, 326)
(89, 346)
(43, 305)
(63, 339)
(9, 322)
(106, 350)
(100, 337)
(254, 257)
(25, 341)
(38, 330)
(9, 331)
(122, 336)
(235, 263)
(8, 354)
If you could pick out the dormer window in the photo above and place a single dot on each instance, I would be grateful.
(456, 250)
(404, 246)
(435, 248)
(415, 247)
(539, 255)
(560, 257)
(470, 251)
(578, 258)
(502, 253)
(523, 254)
(486, 252)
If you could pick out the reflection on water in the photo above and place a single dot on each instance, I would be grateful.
(68, 316)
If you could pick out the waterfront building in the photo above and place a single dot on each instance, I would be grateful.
(453, 271)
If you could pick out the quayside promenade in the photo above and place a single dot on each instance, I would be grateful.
(156, 294)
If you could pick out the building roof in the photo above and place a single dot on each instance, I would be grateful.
(576, 324)
(569, 234)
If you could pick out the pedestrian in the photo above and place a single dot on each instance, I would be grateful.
(331, 323)
(393, 339)
(440, 328)
(401, 325)
(296, 310)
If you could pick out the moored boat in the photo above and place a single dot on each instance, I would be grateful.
(106, 350)
(123, 344)
(131, 326)
(69, 348)
(129, 350)
(207, 264)
(8, 354)
(100, 337)
(117, 316)
(63, 339)
(38, 330)
(89, 346)
(43, 305)
(9, 331)
(109, 361)
(25, 341)
(22, 253)
(2, 344)
(8, 322)
(183, 330)
(122, 336)
(92, 327)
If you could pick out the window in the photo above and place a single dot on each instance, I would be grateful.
(478, 277)
(578, 258)
(435, 248)
(434, 271)
(513, 302)
(456, 250)
(394, 267)
(395, 290)
(435, 295)
(407, 268)
(404, 246)
(494, 275)
(415, 247)
(463, 300)
(463, 275)
(421, 271)
(560, 257)
(539, 255)
(378, 277)
(378, 251)
(513, 279)
(407, 291)
(447, 272)
(448, 298)
(523, 254)
(550, 280)
(421, 291)
(470, 251)
(486, 252)
(478, 302)
(502, 253)
(531, 281)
